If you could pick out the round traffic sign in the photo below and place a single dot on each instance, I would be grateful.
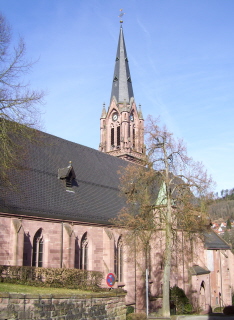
(110, 279)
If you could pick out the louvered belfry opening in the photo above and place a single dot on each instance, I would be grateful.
(118, 136)
(112, 137)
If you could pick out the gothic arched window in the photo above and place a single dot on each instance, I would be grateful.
(112, 137)
(37, 258)
(119, 260)
(118, 136)
(84, 252)
(134, 137)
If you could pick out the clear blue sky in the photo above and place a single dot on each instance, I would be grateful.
(181, 57)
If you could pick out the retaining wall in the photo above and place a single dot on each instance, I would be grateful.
(59, 307)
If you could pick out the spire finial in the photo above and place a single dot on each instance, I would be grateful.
(121, 15)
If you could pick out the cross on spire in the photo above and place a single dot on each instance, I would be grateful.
(121, 15)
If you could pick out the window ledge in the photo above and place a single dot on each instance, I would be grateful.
(120, 284)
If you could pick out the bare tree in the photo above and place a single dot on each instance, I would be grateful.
(137, 221)
(18, 104)
(137, 186)
(169, 191)
(186, 189)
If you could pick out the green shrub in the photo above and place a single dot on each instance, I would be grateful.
(130, 309)
(180, 300)
(228, 310)
(218, 310)
(136, 316)
(51, 277)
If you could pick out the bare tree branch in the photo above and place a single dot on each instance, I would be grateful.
(164, 195)
(19, 109)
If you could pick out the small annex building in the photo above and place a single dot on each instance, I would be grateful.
(58, 212)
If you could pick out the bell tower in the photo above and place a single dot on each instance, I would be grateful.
(122, 124)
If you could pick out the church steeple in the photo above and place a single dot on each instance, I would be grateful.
(122, 125)
(122, 85)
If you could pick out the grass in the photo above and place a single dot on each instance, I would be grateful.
(26, 289)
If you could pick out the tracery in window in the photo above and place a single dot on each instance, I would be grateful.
(119, 260)
(37, 260)
(84, 252)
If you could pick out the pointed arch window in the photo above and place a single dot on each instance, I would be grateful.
(119, 260)
(112, 137)
(134, 138)
(37, 259)
(115, 130)
(118, 136)
(84, 252)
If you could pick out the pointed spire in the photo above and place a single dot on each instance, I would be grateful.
(122, 84)
(103, 115)
(140, 115)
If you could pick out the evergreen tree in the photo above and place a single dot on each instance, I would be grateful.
(229, 226)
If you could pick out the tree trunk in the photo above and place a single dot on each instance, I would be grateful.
(168, 244)
(167, 267)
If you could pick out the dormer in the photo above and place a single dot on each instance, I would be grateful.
(68, 175)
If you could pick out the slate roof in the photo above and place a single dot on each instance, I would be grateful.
(94, 197)
(213, 241)
(122, 85)
(39, 191)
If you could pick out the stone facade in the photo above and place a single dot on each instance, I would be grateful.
(58, 307)
(62, 247)
(122, 131)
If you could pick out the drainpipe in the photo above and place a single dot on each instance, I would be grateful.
(221, 280)
(135, 274)
(183, 258)
(61, 249)
(210, 291)
(147, 292)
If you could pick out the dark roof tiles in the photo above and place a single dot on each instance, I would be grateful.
(94, 198)
(122, 88)
(214, 242)
(197, 270)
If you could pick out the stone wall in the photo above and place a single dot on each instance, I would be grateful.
(59, 307)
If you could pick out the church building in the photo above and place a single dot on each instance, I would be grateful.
(59, 209)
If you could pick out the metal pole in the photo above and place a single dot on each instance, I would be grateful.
(221, 280)
(146, 292)
(135, 274)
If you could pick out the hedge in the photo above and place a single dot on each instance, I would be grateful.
(51, 277)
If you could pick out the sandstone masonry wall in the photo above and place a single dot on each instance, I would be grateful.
(58, 307)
